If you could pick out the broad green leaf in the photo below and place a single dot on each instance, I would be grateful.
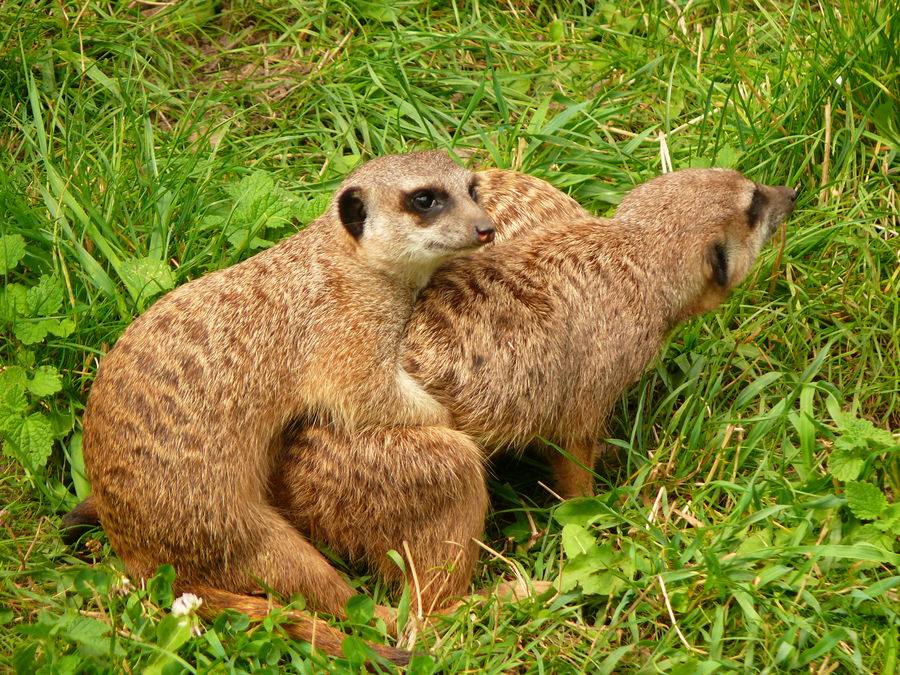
(45, 298)
(355, 651)
(171, 633)
(580, 511)
(591, 571)
(555, 30)
(421, 664)
(865, 500)
(345, 163)
(755, 541)
(384, 12)
(312, 208)
(258, 202)
(728, 157)
(89, 634)
(12, 250)
(12, 376)
(858, 432)
(576, 540)
(160, 586)
(32, 439)
(46, 381)
(32, 332)
(13, 302)
(146, 277)
(13, 403)
(63, 328)
(872, 533)
(360, 609)
(258, 205)
(846, 463)
(889, 520)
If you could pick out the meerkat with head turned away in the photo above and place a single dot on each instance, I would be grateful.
(538, 336)
(184, 420)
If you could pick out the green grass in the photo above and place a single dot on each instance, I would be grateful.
(748, 521)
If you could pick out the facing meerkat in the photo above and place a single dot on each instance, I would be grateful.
(183, 422)
(562, 319)
(442, 461)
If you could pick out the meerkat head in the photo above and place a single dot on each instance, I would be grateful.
(715, 221)
(410, 213)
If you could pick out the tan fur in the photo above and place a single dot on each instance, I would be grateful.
(434, 497)
(184, 420)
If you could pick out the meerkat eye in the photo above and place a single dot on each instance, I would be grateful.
(473, 192)
(424, 201)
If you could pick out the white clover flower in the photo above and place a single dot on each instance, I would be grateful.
(185, 604)
(122, 585)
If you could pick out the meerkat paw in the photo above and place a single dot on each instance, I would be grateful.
(389, 616)
(520, 589)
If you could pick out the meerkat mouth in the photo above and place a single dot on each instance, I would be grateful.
(439, 246)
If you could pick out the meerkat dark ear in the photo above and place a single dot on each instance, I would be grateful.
(718, 261)
(352, 211)
(757, 204)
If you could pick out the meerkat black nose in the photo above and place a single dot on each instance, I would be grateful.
(485, 234)
(789, 194)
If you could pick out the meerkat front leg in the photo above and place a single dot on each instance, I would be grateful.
(417, 490)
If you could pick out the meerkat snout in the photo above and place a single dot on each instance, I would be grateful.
(769, 206)
(485, 234)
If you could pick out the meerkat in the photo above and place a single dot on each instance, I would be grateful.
(184, 419)
(516, 203)
(539, 336)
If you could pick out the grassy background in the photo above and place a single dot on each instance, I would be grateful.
(749, 521)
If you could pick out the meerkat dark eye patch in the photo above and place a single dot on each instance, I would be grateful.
(718, 260)
(473, 190)
(757, 206)
(352, 211)
(427, 202)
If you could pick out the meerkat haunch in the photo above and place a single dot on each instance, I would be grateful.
(184, 419)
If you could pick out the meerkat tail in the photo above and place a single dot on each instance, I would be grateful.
(317, 632)
(79, 521)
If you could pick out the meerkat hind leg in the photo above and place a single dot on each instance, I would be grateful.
(573, 469)
(273, 555)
